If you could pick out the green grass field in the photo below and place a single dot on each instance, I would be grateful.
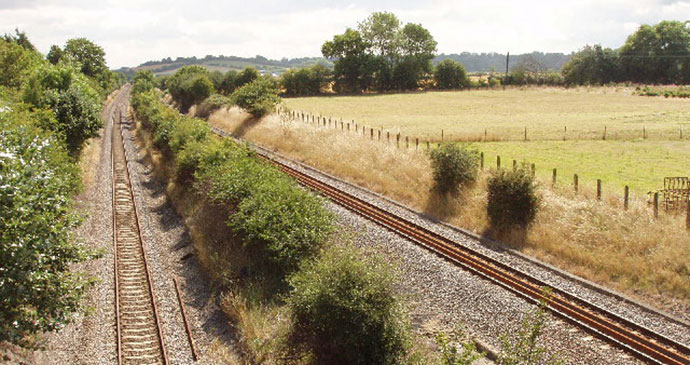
(625, 158)
(504, 114)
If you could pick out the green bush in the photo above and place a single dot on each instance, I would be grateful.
(450, 75)
(259, 97)
(37, 180)
(190, 85)
(211, 104)
(454, 167)
(16, 63)
(74, 102)
(247, 75)
(187, 130)
(512, 198)
(202, 156)
(345, 310)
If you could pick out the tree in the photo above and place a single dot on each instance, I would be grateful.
(258, 97)
(592, 65)
(89, 56)
(450, 75)
(21, 39)
(190, 85)
(229, 83)
(247, 75)
(305, 81)
(143, 81)
(353, 66)
(16, 63)
(54, 55)
(381, 30)
(657, 54)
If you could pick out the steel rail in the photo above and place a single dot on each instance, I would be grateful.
(139, 342)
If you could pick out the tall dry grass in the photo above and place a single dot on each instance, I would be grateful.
(627, 250)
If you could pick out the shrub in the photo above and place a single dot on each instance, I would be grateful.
(345, 310)
(187, 130)
(37, 179)
(202, 155)
(190, 85)
(512, 198)
(247, 75)
(286, 223)
(211, 104)
(450, 75)
(454, 167)
(450, 346)
(259, 97)
(16, 63)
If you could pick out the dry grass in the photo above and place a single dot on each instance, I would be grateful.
(545, 112)
(629, 251)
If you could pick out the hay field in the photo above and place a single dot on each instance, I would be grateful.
(504, 114)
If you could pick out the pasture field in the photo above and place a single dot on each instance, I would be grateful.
(504, 114)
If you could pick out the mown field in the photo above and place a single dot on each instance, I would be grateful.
(624, 158)
(504, 114)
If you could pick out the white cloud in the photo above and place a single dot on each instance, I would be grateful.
(135, 31)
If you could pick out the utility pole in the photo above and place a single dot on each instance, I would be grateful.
(507, 61)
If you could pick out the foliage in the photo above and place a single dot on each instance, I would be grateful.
(247, 75)
(16, 63)
(55, 54)
(345, 309)
(592, 65)
(354, 66)
(512, 198)
(143, 81)
(187, 130)
(71, 97)
(454, 167)
(305, 81)
(449, 347)
(37, 180)
(657, 54)
(20, 39)
(450, 75)
(522, 347)
(259, 97)
(190, 85)
(211, 104)
(229, 83)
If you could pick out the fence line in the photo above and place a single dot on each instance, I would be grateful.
(321, 121)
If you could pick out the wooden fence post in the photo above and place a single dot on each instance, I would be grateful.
(644, 132)
(428, 147)
(484, 134)
(348, 127)
(379, 134)
(441, 134)
(534, 170)
(598, 189)
(525, 134)
(514, 165)
(498, 162)
(407, 142)
(397, 140)
(371, 133)
(553, 177)
(576, 183)
(481, 160)
(604, 133)
(656, 205)
(565, 131)
(388, 136)
(626, 197)
(416, 146)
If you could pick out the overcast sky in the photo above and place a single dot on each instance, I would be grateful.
(135, 31)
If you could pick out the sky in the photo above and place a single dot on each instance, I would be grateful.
(135, 31)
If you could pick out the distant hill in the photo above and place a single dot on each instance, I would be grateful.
(473, 62)
(226, 63)
(486, 62)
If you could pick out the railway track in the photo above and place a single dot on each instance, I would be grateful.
(139, 336)
(638, 340)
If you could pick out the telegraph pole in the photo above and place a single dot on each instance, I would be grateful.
(507, 61)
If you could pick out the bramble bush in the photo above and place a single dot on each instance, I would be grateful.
(37, 181)
(345, 310)
(512, 198)
(454, 167)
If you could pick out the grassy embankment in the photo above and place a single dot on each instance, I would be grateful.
(629, 251)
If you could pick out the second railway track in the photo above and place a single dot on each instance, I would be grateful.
(640, 341)
(139, 336)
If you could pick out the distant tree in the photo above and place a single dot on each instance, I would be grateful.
(247, 75)
(54, 55)
(450, 75)
(592, 65)
(229, 83)
(190, 85)
(216, 78)
(354, 66)
(143, 81)
(381, 31)
(21, 39)
(657, 54)
(258, 97)
(305, 81)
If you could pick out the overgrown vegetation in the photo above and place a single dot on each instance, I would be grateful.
(450, 75)
(190, 85)
(454, 167)
(455, 352)
(47, 112)
(345, 310)
(259, 97)
(512, 198)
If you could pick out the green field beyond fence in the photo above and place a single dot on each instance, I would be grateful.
(610, 134)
